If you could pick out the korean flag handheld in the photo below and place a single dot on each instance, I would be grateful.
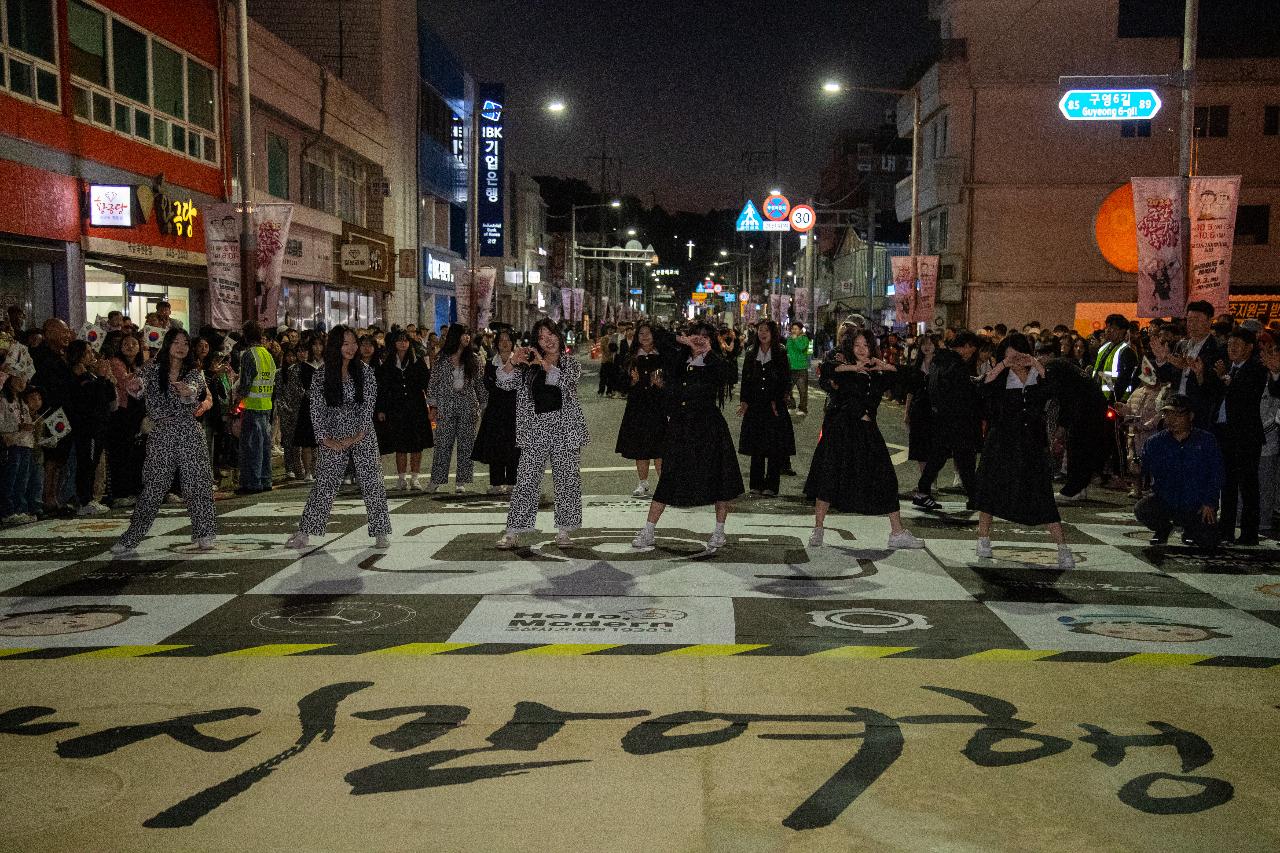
(153, 336)
(93, 335)
(57, 424)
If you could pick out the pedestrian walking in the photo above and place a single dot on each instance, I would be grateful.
(851, 469)
(496, 444)
(172, 386)
(403, 425)
(456, 394)
(767, 435)
(550, 427)
(644, 423)
(699, 464)
(1015, 477)
(343, 394)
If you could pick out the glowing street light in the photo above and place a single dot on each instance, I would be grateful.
(832, 87)
(555, 106)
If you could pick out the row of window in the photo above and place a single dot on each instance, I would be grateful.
(331, 182)
(1212, 120)
(28, 51)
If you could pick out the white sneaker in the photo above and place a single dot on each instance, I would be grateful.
(382, 542)
(125, 503)
(507, 542)
(1065, 559)
(717, 541)
(563, 540)
(400, 483)
(644, 539)
(298, 541)
(310, 478)
(815, 538)
(904, 539)
(172, 499)
(984, 548)
(460, 490)
(121, 550)
(205, 544)
(414, 483)
(641, 489)
(1082, 495)
(16, 518)
(506, 490)
(91, 508)
(431, 488)
(494, 490)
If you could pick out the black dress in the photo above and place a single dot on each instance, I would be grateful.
(495, 442)
(699, 465)
(920, 416)
(402, 398)
(304, 434)
(765, 433)
(1015, 476)
(644, 423)
(851, 468)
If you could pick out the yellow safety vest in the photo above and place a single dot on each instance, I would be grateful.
(1106, 368)
(264, 381)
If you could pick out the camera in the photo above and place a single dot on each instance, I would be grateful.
(530, 357)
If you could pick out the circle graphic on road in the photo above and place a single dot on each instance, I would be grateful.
(336, 617)
(868, 620)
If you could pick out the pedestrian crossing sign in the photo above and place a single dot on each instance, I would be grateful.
(749, 219)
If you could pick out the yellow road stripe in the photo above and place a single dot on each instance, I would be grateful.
(568, 649)
(1011, 654)
(125, 652)
(1161, 659)
(712, 649)
(273, 650)
(4, 653)
(420, 649)
(860, 651)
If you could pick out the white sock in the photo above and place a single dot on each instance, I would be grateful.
(650, 526)
(719, 528)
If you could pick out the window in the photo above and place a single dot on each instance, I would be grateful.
(937, 232)
(126, 80)
(28, 57)
(1135, 128)
(947, 272)
(1271, 120)
(277, 166)
(1253, 225)
(317, 181)
(347, 181)
(939, 130)
(1212, 121)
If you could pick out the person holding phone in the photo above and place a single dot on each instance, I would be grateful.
(173, 385)
(699, 460)
(343, 394)
(550, 427)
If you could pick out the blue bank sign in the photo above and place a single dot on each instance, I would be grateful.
(493, 152)
(1109, 104)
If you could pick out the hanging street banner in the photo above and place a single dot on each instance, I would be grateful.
(1109, 104)
(905, 295)
(1213, 227)
(222, 248)
(927, 270)
(1157, 206)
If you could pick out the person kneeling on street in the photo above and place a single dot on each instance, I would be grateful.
(1186, 472)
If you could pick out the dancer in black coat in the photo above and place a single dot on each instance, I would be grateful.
(496, 441)
(401, 420)
(851, 469)
(1015, 476)
(644, 423)
(699, 466)
(767, 435)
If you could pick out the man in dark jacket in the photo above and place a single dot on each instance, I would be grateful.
(1185, 467)
(956, 421)
(1238, 428)
(57, 383)
(1190, 370)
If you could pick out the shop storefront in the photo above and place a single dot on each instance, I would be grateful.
(307, 272)
(365, 279)
(28, 268)
(439, 305)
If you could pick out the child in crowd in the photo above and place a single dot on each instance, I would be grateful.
(21, 463)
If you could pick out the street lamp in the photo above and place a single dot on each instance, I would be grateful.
(832, 87)
(555, 106)
(631, 232)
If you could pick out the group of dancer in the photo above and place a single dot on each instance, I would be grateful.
(673, 423)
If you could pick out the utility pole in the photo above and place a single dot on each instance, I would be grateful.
(248, 237)
(1190, 38)
(871, 254)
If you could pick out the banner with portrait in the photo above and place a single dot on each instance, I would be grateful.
(1213, 228)
(1157, 211)
(222, 251)
(905, 296)
(927, 276)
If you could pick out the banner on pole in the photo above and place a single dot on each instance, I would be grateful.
(222, 250)
(802, 303)
(1157, 209)
(579, 295)
(905, 297)
(1213, 227)
(927, 270)
(485, 278)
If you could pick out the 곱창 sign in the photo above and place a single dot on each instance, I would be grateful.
(1109, 104)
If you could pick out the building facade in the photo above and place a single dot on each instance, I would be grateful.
(113, 139)
(1010, 192)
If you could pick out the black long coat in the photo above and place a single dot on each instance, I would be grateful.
(496, 440)
(699, 465)
(766, 426)
(1015, 474)
(402, 399)
(644, 423)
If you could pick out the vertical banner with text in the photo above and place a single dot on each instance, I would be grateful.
(1213, 227)
(1157, 209)
(485, 278)
(904, 289)
(222, 248)
(927, 275)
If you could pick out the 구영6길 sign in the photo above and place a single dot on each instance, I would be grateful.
(1109, 104)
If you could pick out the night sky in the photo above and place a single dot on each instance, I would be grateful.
(684, 88)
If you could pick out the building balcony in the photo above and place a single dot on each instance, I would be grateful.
(941, 182)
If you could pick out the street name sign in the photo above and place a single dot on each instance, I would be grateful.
(771, 225)
(749, 219)
(1109, 104)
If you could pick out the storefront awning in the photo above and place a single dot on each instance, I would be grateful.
(150, 272)
(15, 248)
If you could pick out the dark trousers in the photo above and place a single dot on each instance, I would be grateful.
(1084, 457)
(504, 473)
(1158, 516)
(966, 461)
(1240, 484)
(766, 472)
(88, 451)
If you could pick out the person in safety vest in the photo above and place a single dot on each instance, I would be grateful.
(257, 383)
(1114, 369)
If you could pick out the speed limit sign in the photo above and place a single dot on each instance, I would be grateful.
(803, 217)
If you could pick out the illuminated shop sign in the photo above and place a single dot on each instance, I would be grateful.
(110, 206)
(492, 214)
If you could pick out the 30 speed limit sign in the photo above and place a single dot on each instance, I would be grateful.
(803, 217)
